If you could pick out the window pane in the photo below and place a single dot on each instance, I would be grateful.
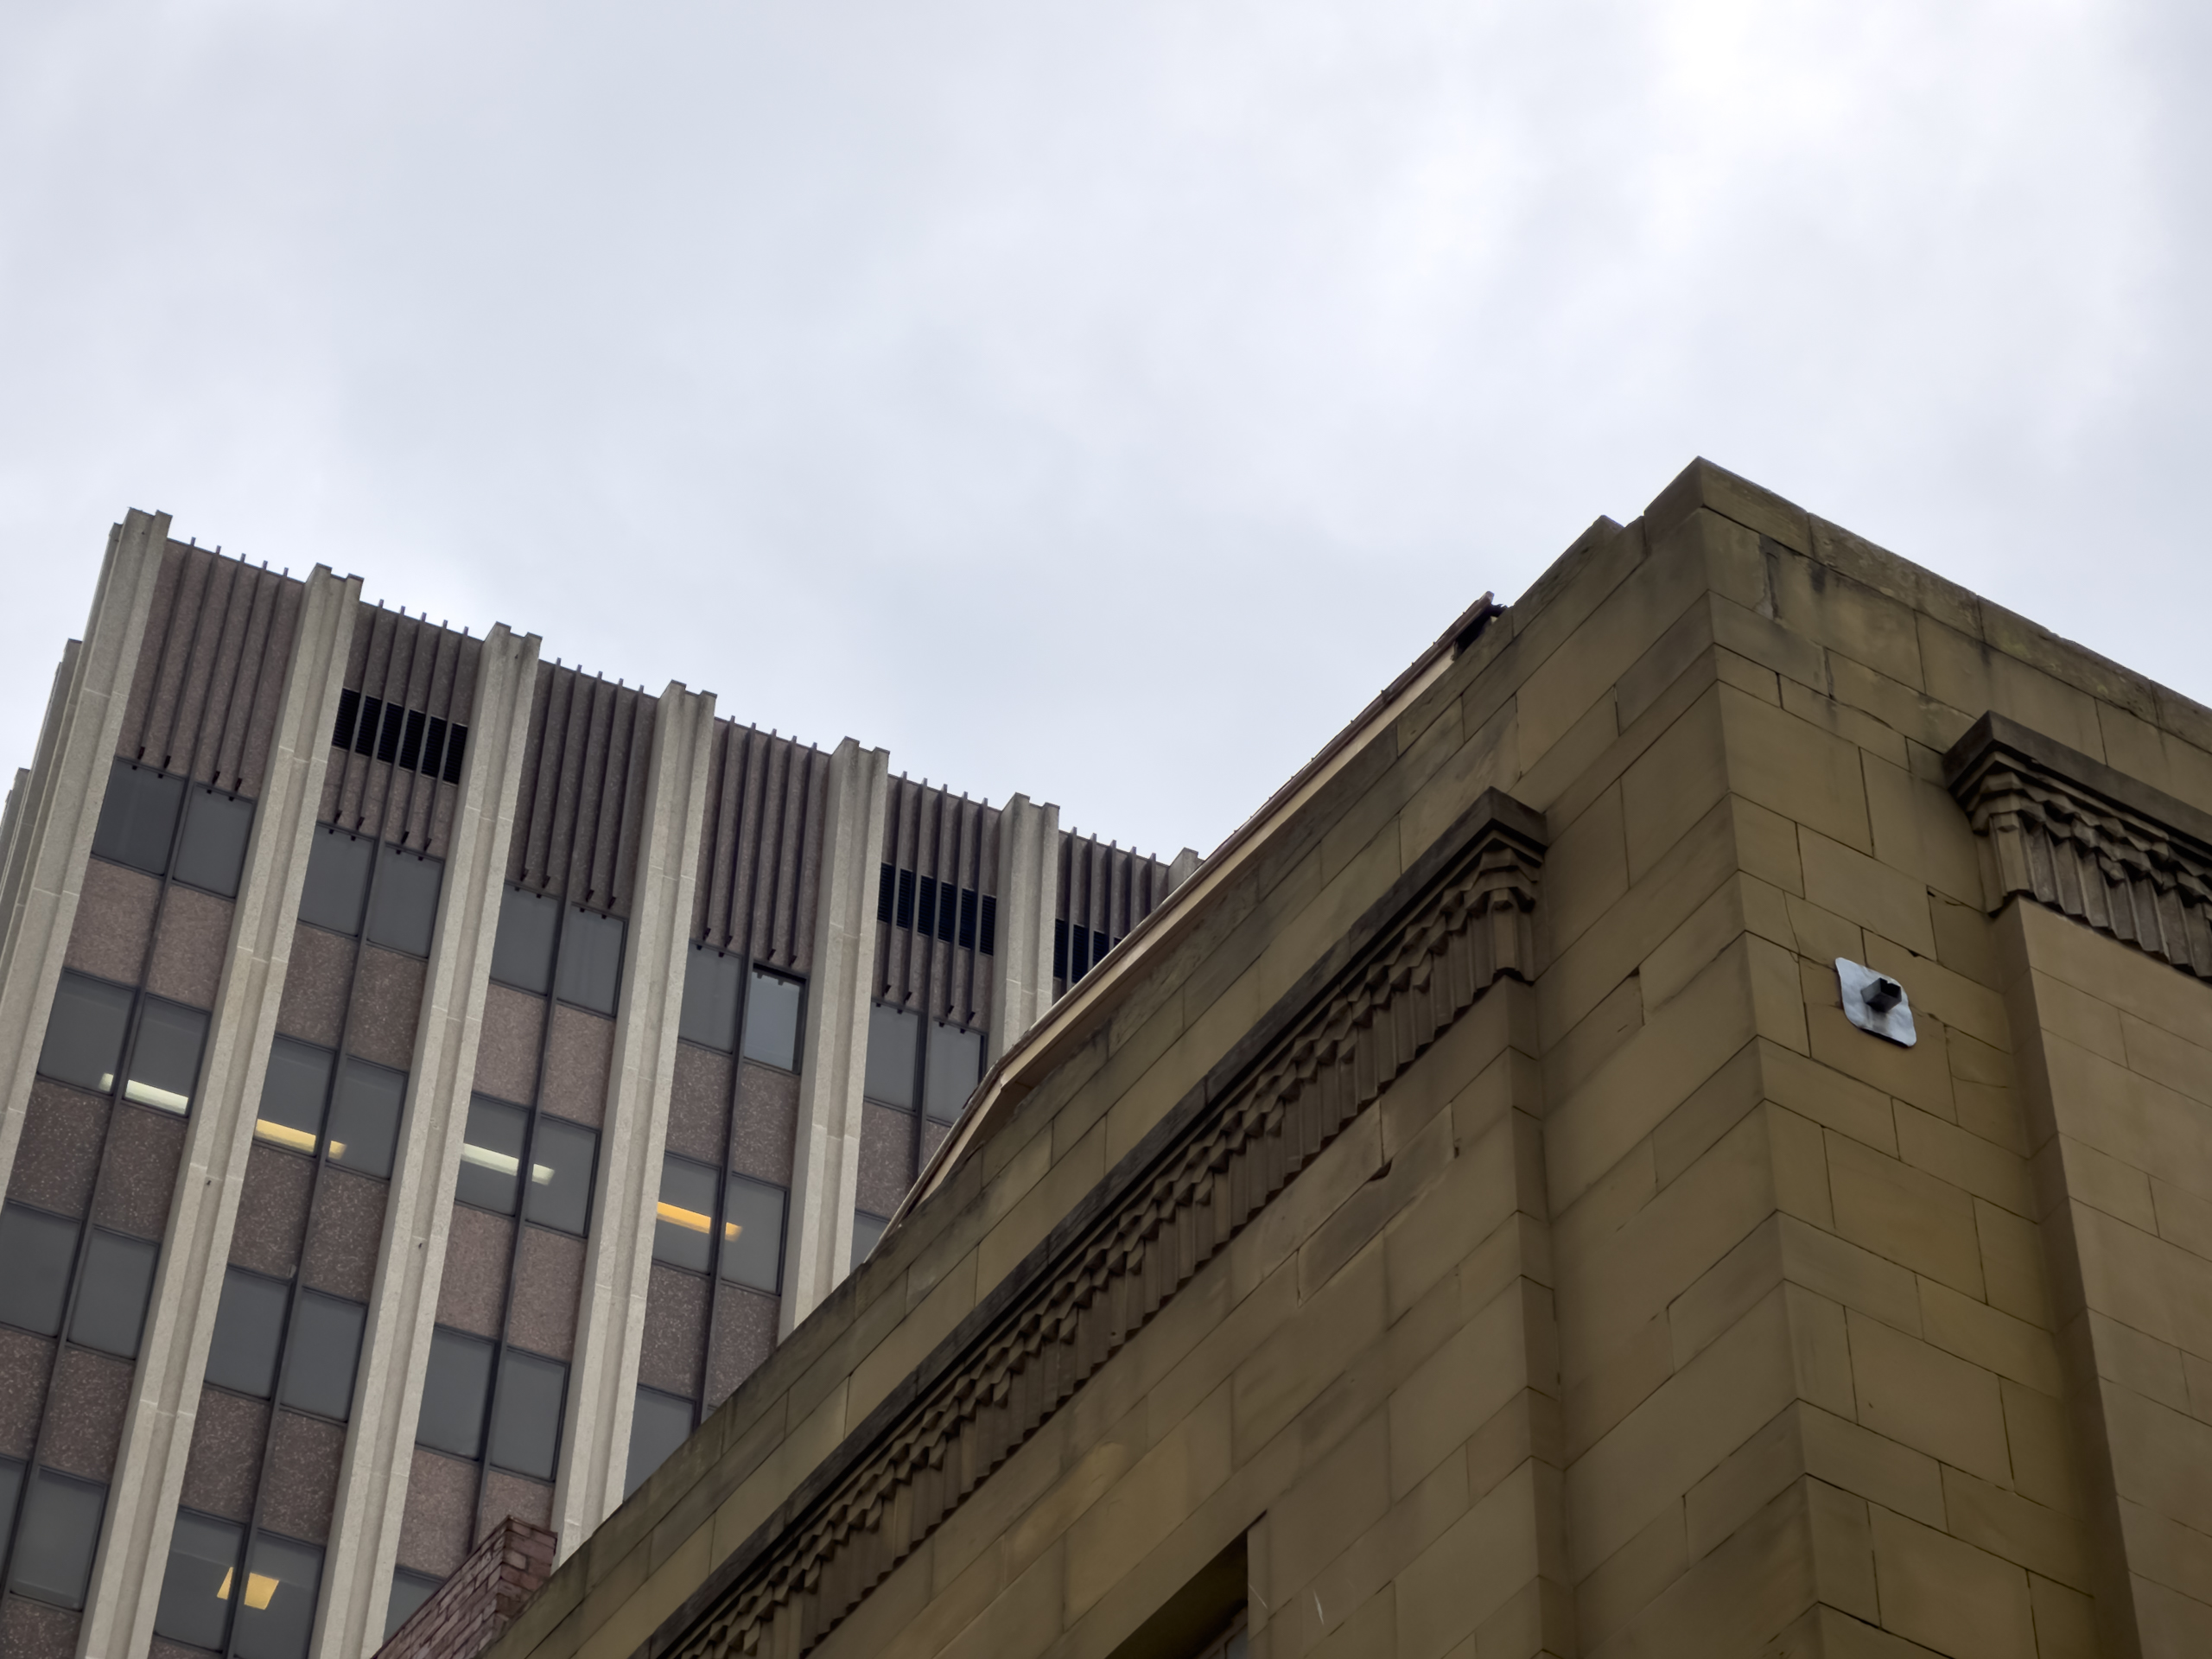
(490, 1155)
(659, 1423)
(868, 1233)
(522, 953)
(526, 1425)
(956, 1063)
(165, 1060)
(112, 1302)
(561, 1157)
(276, 1612)
(83, 1035)
(711, 978)
(753, 1234)
(324, 1353)
(213, 852)
(36, 1250)
(196, 1590)
(772, 1020)
(365, 1117)
(893, 1037)
(338, 879)
(591, 960)
(403, 914)
(61, 1529)
(292, 1095)
(687, 1210)
(138, 817)
(408, 1592)
(11, 1489)
(248, 1333)
(454, 1394)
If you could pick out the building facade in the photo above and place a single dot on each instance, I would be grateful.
(1686, 1130)
(435, 1079)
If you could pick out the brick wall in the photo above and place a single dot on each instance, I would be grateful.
(473, 1609)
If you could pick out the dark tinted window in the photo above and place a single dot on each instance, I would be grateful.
(956, 1062)
(454, 1394)
(323, 1354)
(36, 1250)
(138, 817)
(711, 979)
(248, 1333)
(892, 1036)
(165, 1058)
(365, 1117)
(293, 1092)
(753, 1234)
(337, 885)
(408, 1592)
(561, 1157)
(522, 953)
(196, 1597)
(591, 960)
(61, 1528)
(687, 1210)
(491, 1155)
(403, 913)
(111, 1312)
(11, 1489)
(276, 1615)
(526, 1424)
(216, 829)
(868, 1233)
(83, 1035)
(772, 1020)
(659, 1424)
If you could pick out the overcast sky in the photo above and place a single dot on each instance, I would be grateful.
(1096, 401)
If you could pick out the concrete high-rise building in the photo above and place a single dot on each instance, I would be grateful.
(435, 1079)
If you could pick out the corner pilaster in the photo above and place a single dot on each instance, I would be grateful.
(1021, 968)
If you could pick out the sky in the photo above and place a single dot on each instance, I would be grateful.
(1100, 402)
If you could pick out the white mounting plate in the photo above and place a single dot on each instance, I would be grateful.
(1894, 1023)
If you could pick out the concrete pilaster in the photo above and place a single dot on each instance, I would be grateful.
(611, 1324)
(50, 832)
(372, 1486)
(826, 1169)
(1028, 877)
(188, 1285)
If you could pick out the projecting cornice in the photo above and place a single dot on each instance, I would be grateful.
(1454, 923)
(2091, 842)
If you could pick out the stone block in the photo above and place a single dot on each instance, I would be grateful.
(1793, 768)
(1917, 1394)
(1472, 1570)
(1676, 782)
(1895, 1211)
(1876, 1467)
(2014, 1277)
(1629, 1579)
(1841, 1271)
(1963, 1160)
(1920, 1074)
(1878, 742)
(2031, 1535)
(1828, 1096)
(1949, 1595)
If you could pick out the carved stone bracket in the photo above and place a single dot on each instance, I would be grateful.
(1450, 927)
(2090, 842)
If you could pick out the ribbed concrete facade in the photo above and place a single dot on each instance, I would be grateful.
(435, 1079)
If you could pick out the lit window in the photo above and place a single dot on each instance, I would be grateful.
(196, 1598)
(165, 1058)
(491, 1155)
(276, 1612)
(686, 1214)
(84, 1032)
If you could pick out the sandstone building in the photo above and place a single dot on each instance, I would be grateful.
(430, 1079)
(1492, 1208)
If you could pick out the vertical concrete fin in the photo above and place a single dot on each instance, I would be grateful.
(373, 1484)
(188, 1290)
(826, 1166)
(1022, 968)
(52, 833)
(610, 1327)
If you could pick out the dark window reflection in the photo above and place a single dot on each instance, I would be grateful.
(365, 1117)
(138, 817)
(84, 1034)
(526, 1425)
(955, 1063)
(454, 1393)
(196, 1591)
(686, 1212)
(293, 1092)
(404, 911)
(561, 1159)
(753, 1234)
(36, 1252)
(337, 888)
(61, 1529)
(165, 1059)
(118, 1282)
(277, 1611)
(408, 1592)
(711, 980)
(217, 826)
(659, 1424)
(591, 960)
(11, 1491)
(323, 1354)
(772, 1020)
(491, 1155)
(248, 1333)
(868, 1233)
(894, 1037)
(522, 952)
